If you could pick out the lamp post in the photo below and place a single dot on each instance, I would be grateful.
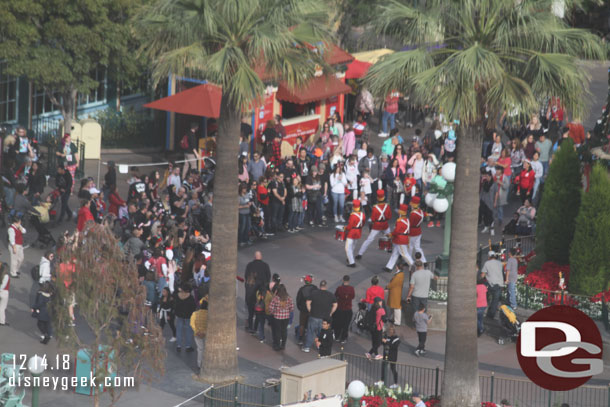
(443, 201)
(355, 391)
(36, 368)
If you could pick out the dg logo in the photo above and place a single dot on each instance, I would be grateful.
(560, 348)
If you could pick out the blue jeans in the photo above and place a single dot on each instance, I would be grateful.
(338, 201)
(277, 215)
(535, 190)
(512, 295)
(184, 333)
(259, 324)
(244, 228)
(499, 213)
(293, 219)
(480, 312)
(545, 167)
(384, 121)
(314, 326)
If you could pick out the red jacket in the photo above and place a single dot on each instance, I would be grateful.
(356, 221)
(380, 216)
(416, 218)
(372, 292)
(391, 103)
(84, 215)
(400, 234)
(526, 180)
(115, 203)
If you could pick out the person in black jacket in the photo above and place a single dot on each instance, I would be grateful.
(303, 295)
(36, 183)
(257, 276)
(41, 311)
(109, 180)
(63, 181)
(391, 342)
(184, 307)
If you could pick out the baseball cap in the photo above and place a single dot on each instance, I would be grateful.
(416, 394)
(491, 253)
(308, 279)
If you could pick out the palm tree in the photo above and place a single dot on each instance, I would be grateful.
(227, 42)
(475, 59)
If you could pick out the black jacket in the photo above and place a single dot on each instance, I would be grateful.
(303, 295)
(64, 181)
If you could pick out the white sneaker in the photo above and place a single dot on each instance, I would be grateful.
(485, 230)
(493, 232)
(336, 219)
(383, 135)
(173, 339)
(341, 219)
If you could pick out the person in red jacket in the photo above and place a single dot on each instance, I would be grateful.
(115, 201)
(375, 290)
(416, 218)
(84, 214)
(380, 215)
(353, 231)
(400, 239)
(527, 178)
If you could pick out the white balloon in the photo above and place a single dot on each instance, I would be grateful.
(448, 171)
(430, 197)
(441, 205)
(356, 389)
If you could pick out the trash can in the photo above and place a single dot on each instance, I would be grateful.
(84, 368)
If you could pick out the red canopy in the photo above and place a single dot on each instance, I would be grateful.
(357, 69)
(202, 100)
(318, 88)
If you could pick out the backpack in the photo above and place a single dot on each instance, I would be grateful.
(184, 142)
(368, 322)
(35, 272)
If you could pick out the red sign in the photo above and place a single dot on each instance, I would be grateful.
(302, 129)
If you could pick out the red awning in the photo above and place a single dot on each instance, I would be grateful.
(318, 88)
(202, 100)
(338, 56)
(357, 69)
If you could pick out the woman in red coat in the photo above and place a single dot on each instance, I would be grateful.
(526, 181)
(115, 201)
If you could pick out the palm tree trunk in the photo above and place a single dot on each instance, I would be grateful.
(220, 355)
(461, 378)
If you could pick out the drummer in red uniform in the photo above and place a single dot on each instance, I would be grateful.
(400, 239)
(353, 231)
(380, 215)
(416, 218)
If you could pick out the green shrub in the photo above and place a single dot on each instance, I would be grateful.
(590, 251)
(129, 128)
(559, 206)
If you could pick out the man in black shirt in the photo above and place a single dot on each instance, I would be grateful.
(321, 304)
(63, 181)
(278, 199)
(257, 276)
(302, 296)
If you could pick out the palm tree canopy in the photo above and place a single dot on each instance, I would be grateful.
(477, 57)
(224, 41)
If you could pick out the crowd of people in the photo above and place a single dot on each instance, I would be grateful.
(164, 222)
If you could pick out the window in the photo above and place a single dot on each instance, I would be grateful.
(8, 96)
(41, 102)
(97, 94)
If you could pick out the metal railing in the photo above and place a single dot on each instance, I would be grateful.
(428, 381)
(46, 128)
(239, 394)
(52, 145)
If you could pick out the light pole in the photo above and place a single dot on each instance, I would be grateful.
(442, 202)
(355, 391)
(36, 368)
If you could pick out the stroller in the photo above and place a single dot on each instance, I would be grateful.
(507, 330)
(45, 239)
(357, 324)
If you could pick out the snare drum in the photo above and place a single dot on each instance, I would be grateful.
(339, 233)
(385, 244)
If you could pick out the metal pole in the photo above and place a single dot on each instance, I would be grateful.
(492, 386)
(561, 297)
(447, 231)
(436, 382)
(550, 398)
(235, 389)
(35, 391)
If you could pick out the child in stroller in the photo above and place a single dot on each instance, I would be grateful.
(41, 217)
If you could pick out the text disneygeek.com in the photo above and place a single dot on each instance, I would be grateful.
(66, 383)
